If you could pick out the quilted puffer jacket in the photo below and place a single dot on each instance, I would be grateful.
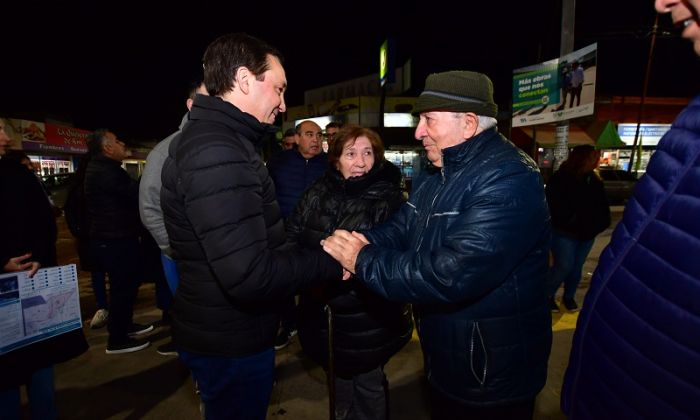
(367, 329)
(227, 236)
(470, 250)
(636, 349)
(112, 200)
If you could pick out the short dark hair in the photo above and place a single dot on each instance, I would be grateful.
(228, 53)
(290, 132)
(350, 133)
(95, 140)
(336, 124)
(193, 88)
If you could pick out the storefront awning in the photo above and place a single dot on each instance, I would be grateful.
(545, 134)
(601, 134)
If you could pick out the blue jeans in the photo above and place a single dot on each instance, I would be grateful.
(233, 388)
(569, 256)
(40, 391)
(171, 274)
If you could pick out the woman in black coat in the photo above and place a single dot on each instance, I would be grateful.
(359, 191)
(580, 211)
(27, 241)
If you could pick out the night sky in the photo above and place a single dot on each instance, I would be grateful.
(127, 65)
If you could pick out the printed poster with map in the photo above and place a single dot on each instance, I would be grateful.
(37, 308)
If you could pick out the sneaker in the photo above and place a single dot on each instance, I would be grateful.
(128, 346)
(570, 305)
(100, 318)
(282, 340)
(138, 329)
(553, 305)
(167, 349)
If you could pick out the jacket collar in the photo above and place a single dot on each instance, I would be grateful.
(455, 157)
(213, 108)
(384, 171)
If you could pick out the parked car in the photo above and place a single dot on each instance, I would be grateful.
(618, 185)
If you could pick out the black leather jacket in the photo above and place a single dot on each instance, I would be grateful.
(470, 251)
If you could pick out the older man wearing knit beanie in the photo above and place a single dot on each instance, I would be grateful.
(469, 250)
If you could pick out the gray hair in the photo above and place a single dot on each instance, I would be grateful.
(486, 122)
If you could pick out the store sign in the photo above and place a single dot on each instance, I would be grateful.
(649, 134)
(58, 138)
(556, 90)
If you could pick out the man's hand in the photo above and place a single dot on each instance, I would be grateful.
(344, 247)
(17, 264)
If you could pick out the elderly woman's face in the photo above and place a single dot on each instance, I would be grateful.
(357, 158)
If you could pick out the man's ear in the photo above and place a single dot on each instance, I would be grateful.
(107, 148)
(471, 124)
(242, 79)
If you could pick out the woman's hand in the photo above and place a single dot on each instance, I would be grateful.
(19, 264)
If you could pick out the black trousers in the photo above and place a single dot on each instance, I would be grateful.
(120, 259)
(445, 408)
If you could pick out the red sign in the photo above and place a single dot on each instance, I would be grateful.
(69, 139)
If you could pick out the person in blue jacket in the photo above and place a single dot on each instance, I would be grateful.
(470, 251)
(636, 351)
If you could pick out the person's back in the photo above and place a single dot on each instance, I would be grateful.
(636, 352)
(580, 211)
(112, 200)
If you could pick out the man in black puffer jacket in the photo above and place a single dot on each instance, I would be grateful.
(111, 198)
(226, 232)
(470, 251)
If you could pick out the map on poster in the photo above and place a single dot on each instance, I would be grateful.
(37, 308)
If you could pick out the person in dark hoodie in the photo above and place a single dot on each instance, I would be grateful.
(226, 233)
(359, 191)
